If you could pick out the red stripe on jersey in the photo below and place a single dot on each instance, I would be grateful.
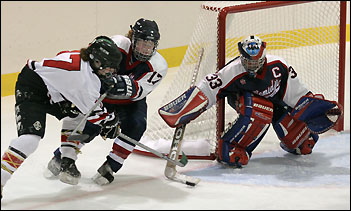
(64, 139)
(115, 101)
(142, 76)
(150, 66)
(129, 56)
(101, 117)
(123, 51)
(275, 62)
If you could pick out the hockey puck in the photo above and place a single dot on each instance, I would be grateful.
(190, 183)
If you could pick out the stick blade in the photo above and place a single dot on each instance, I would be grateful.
(172, 174)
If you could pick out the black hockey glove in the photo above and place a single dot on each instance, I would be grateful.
(119, 87)
(109, 82)
(110, 127)
(68, 109)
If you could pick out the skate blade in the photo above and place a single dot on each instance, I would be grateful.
(100, 180)
(68, 179)
(49, 175)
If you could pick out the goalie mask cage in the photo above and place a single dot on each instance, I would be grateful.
(310, 36)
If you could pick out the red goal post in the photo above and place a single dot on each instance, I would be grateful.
(271, 4)
(310, 36)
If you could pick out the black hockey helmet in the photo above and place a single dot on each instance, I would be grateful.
(146, 30)
(104, 53)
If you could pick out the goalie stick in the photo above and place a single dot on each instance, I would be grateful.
(170, 170)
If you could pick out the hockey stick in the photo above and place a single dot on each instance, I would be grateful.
(73, 137)
(181, 163)
(170, 170)
(83, 137)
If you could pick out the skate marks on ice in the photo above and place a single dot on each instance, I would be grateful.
(329, 164)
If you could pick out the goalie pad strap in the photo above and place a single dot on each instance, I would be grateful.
(184, 108)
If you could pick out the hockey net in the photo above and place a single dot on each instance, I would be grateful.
(310, 36)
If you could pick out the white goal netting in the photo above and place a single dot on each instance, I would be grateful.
(306, 35)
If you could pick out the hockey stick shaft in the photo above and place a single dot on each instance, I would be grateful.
(179, 132)
(101, 98)
(170, 171)
(176, 144)
(182, 163)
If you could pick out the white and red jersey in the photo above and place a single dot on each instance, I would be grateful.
(146, 76)
(68, 77)
(278, 82)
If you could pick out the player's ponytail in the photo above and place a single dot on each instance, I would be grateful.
(84, 54)
(129, 34)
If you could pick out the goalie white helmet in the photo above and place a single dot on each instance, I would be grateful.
(252, 54)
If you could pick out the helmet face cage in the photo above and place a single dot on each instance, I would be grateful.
(252, 54)
(144, 39)
(143, 50)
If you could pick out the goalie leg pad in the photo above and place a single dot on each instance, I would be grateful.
(305, 148)
(319, 114)
(184, 108)
(248, 130)
(295, 137)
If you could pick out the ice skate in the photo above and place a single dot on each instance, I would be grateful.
(53, 169)
(69, 173)
(104, 175)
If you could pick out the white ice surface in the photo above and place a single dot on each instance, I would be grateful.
(272, 180)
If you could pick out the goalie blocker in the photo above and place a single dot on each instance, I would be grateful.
(184, 108)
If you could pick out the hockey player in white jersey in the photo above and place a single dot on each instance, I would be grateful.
(141, 71)
(263, 89)
(66, 86)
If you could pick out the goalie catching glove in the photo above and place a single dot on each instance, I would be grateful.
(184, 108)
(319, 114)
(312, 115)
